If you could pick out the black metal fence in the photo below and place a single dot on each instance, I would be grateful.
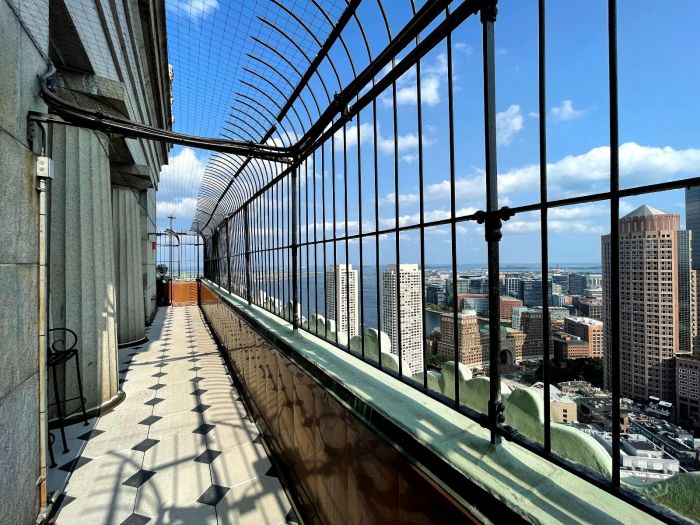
(179, 255)
(287, 246)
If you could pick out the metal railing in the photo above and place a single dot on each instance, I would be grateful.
(276, 249)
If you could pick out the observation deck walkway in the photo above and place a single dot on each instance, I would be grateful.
(179, 449)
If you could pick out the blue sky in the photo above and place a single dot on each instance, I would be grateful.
(659, 119)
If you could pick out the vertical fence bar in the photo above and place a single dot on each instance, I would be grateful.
(397, 239)
(453, 212)
(228, 253)
(361, 276)
(246, 251)
(375, 139)
(419, 115)
(614, 240)
(544, 242)
(492, 219)
(347, 244)
(295, 248)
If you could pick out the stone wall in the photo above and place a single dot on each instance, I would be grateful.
(23, 48)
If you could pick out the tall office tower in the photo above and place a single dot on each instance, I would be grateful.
(654, 300)
(471, 352)
(530, 292)
(531, 325)
(578, 282)
(510, 285)
(341, 300)
(692, 224)
(411, 316)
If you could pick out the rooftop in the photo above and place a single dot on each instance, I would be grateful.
(645, 211)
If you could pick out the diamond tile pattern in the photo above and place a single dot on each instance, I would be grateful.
(213, 495)
(145, 444)
(89, 435)
(204, 429)
(150, 420)
(138, 479)
(75, 464)
(136, 519)
(207, 456)
(150, 471)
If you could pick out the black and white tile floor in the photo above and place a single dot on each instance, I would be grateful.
(179, 449)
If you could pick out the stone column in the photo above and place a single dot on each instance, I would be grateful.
(126, 220)
(148, 253)
(82, 259)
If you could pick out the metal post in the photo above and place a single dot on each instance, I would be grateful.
(614, 345)
(492, 217)
(228, 255)
(170, 241)
(543, 222)
(246, 232)
(295, 248)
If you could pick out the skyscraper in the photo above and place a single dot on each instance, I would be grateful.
(471, 352)
(654, 300)
(341, 299)
(410, 316)
(530, 292)
(692, 224)
(578, 282)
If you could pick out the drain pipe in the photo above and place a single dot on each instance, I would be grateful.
(44, 174)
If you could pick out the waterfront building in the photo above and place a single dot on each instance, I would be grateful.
(408, 313)
(589, 330)
(341, 298)
(654, 299)
(688, 390)
(471, 351)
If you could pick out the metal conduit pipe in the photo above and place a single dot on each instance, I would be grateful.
(43, 178)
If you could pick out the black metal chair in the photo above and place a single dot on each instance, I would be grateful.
(56, 358)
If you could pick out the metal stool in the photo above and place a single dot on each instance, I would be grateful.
(59, 357)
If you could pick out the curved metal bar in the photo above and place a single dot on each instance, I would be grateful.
(238, 126)
(276, 104)
(340, 37)
(276, 71)
(311, 33)
(296, 70)
(257, 110)
(224, 171)
(272, 100)
(263, 129)
(262, 106)
(286, 118)
(303, 53)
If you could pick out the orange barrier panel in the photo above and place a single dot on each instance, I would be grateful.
(184, 293)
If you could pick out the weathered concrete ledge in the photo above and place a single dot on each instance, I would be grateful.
(535, 488)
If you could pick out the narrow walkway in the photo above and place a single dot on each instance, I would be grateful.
(179, 449)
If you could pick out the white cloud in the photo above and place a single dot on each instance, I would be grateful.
(508, 124)
(566, 111)
(432, 74)
(366, 131)
(569, 176)
(192, 8)
(184, 169)
(591, 170)
(184, 207)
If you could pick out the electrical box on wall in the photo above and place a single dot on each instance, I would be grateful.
(44, 167)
